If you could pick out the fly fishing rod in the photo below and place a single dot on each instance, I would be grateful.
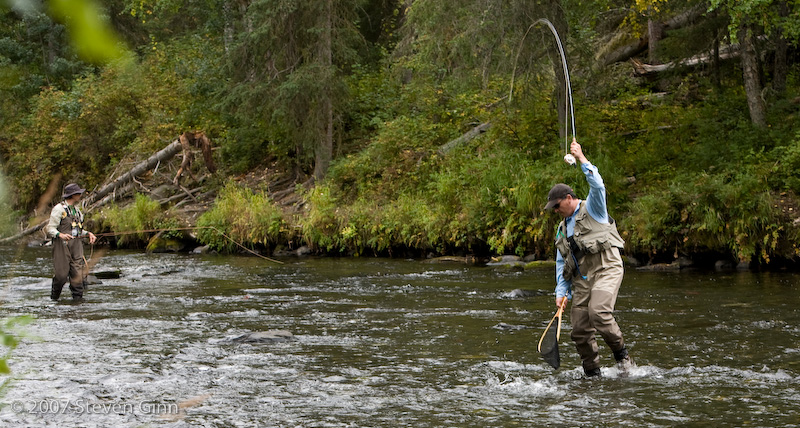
(569, 109)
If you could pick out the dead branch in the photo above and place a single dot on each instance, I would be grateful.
(466, 137)
(642, 69)
(198, 140)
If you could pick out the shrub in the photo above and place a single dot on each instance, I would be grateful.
(244, 216)
(139, 220)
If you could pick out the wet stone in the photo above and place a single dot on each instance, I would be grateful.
(519, 293)
(269, 336)
(509, 327)
(92, 280)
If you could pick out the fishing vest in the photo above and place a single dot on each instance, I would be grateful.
(590, 237)
(71, 221)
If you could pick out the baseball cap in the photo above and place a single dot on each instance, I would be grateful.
(557, 193)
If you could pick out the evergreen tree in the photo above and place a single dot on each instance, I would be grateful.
(287, 61)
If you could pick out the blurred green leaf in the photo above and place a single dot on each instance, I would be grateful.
(90, 32)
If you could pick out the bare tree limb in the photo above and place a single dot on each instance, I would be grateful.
(164, 154)
(469, 135)
(642, 69)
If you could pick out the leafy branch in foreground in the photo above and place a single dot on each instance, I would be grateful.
(10, 333)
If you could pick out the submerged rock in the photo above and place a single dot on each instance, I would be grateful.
(304, 251)
(507, 261)
(470, 260)
(269, 336)
(520, 293)
(724, 265)
(108, 274)
(660, 267)
(540, 263)
(164, 245)
(205, 249)
(91, 280)
(504, 326)
(283, 252)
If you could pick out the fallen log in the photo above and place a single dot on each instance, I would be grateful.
(469, 135)
(163, 155)
(25, 232)
(607, 56)
(642, 69)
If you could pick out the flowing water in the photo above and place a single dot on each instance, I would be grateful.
(388, 343)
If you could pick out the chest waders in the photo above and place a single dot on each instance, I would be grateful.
(68, 261)
(593, 264)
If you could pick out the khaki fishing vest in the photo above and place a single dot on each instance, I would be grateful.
(71, 221)
(590, 237)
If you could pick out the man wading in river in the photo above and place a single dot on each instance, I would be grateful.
(66, 229)
(589, 266)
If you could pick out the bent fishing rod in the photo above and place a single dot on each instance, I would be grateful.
(569, 113)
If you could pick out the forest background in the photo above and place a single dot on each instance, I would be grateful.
(413, 127)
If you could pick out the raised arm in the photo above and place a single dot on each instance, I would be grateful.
(596, 200)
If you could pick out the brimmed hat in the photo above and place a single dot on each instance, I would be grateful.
(557, 193)
(72, 189)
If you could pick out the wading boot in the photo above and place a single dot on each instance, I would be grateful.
(592, 373)
(624, 362)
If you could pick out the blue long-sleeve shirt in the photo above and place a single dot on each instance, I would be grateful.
(597, 208)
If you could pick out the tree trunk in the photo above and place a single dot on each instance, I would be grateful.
(444, 149)
(715, 65)
(781, 68)
(730, 51)
(750, 75)
(655, 32)
(324, 151)
(228, 30)
(625, 52)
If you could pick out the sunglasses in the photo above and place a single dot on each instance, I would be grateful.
(555, 207)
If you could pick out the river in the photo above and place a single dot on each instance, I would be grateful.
(388, 343)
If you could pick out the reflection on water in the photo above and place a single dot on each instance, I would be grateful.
(388, 343)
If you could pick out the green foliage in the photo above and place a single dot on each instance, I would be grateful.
(398, 193)
(289, 100)
(244, 216)
(92, 36)
(11, 330)
(685, 169)
(139, 220)
(766, 13)
(83, 132)
(7, 213)
(708, 212)
(788, 165)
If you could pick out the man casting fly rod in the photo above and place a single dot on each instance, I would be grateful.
(589, 267)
